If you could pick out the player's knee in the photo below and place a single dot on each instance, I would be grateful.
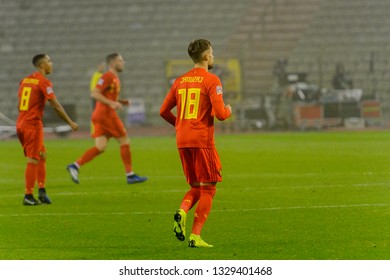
(101, 148)
(101, 143)
(32, 160)
(195, 185)
(124, 140)
(43, 156)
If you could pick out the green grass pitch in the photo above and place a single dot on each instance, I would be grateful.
(285, 196)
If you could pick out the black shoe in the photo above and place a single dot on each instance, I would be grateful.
(29, 200)
(42, 196)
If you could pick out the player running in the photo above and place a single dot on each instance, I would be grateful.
(106, 122)
(197, 96)
(34, 91)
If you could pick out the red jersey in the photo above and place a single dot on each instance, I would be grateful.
(110, 86)
(197, 96)
(34, 91)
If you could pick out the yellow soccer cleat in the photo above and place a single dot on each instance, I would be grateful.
(179, 225)
(197, 241)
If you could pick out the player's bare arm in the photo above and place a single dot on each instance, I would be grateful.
(62, 114)
(98, 96)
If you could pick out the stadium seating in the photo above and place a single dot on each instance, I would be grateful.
(351, 32)
(78, 34)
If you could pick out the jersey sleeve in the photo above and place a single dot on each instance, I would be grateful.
(103, 82)
(216, 97)
(167, 106)
(47, 89)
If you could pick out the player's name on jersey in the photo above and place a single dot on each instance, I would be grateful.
(194, 79)
(30, 81)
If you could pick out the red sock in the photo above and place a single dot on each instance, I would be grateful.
(41, 173)
(190, 199)
(203, 209)
(30, 177)
(126, 157)
(88, 156)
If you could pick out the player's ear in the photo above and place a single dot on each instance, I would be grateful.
(205, 56)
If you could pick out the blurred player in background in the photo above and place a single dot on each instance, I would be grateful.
(197, 96)
(106, 123)
(95, 78)
(34, 91)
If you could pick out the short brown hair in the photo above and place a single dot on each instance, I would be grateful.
(196, 49)
(37, 59)
(111, 57)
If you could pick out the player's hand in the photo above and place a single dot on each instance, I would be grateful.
(229, 108)
(74, 126)
(125, 102)
(116, 105)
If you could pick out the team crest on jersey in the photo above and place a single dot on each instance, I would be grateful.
(219, 90)
(49, 90)
(100, 82)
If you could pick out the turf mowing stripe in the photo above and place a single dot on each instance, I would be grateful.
(231, 210)
(310, 207)
(378, 184)
(241, 175)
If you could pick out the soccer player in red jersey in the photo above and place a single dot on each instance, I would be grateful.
(34, 91)
(197, 96)
(106, 123)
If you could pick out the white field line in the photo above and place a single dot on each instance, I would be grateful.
(216, 211)
(259, 188)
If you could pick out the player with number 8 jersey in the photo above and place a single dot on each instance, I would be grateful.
(34, 91)
(32, 103)
(198, 98)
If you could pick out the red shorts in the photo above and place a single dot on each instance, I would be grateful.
(108, 126)
(31, 138)
(201, 165)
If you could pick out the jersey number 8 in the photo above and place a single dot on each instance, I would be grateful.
(25, 99)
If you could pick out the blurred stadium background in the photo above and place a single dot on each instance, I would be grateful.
(276, 58)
